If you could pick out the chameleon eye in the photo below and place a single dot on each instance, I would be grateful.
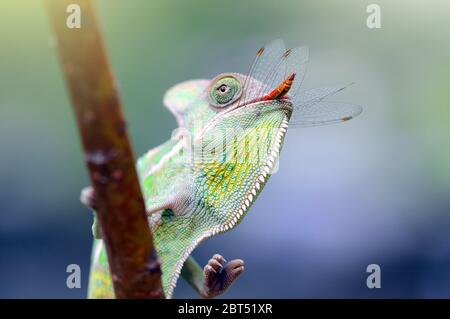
(225, 91)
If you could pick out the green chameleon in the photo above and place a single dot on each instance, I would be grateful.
(204, 180)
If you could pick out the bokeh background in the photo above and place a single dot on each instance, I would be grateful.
(373, 190)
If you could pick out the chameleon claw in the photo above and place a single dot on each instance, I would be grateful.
(219, 275)
(233, 269)
(219, 258)
(215, 264)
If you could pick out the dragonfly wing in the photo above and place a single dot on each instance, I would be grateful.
(296, 62)
(265, 61)
(323, 113)
(292, 61)
(310, 97)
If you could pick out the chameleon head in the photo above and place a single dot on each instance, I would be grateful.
(238, 149)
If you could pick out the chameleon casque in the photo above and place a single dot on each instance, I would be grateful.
(204, 180)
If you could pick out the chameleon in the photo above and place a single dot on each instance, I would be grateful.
(206, 177)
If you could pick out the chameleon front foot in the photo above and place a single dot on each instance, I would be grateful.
(220, 274)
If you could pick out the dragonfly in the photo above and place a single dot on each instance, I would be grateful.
(279, 73)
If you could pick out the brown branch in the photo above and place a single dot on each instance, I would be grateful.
(134, 265)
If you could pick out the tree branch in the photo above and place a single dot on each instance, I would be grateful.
(134, 264)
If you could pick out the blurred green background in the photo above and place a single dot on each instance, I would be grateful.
(373, 190)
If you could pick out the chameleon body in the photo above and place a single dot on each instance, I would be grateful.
(204, 180)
